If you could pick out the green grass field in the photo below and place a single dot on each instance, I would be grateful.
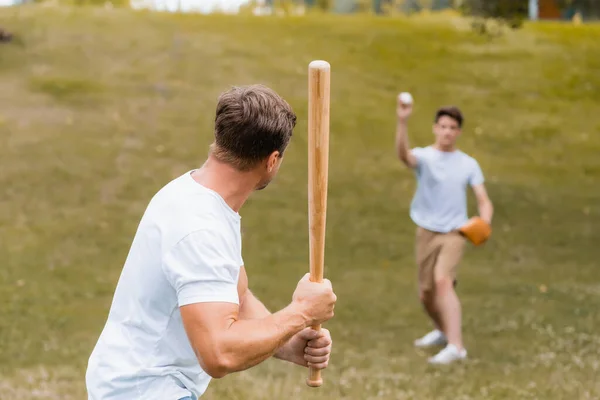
(100, 108)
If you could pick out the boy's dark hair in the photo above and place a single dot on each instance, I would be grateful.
(452, 112)
(251, 122)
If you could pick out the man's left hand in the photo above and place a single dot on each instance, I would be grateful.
(308, 348)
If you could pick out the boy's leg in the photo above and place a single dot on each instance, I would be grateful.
(446, 299)
(449, 307)
(426, 255)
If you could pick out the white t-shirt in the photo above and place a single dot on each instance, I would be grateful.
(187, 249)
(440, 201)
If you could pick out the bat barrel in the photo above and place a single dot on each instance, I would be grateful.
(319, 77)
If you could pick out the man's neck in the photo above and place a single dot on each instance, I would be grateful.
(232, 185)
(445, 149)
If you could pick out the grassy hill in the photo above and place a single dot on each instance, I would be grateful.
(100, 108)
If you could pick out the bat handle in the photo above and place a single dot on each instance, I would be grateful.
(314, 375)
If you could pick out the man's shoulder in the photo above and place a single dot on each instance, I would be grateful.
(471, 167)
(467, 157)
(200, 224)
(184, 197)
(211, 235)
(422, 152)
(184, 212)
(167, 192)
(422, 149)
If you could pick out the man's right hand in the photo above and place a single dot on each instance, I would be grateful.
(403, 111)
(315, 300)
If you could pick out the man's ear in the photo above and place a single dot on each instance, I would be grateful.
(272, 160)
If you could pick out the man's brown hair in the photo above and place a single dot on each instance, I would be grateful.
(452, 112)
(251, 122)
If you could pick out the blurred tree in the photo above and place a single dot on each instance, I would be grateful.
(324, 5)
(504, 9)
(441, 4)
(366, 6)
(5, 36)
(511, 13)
(589, 9)
(381, 6)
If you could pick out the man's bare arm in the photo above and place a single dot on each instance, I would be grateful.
(402, 147)
(225, 343)
(484, 204)
(250, 306)
(403, 152)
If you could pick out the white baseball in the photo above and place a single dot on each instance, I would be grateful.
(406, 98)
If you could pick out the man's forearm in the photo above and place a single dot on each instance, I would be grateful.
(252, 308)
(401, 139)
(486, 211)
(402, 148)
(249, 342)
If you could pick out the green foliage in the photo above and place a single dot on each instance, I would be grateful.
(324, 5)
(590, 9)
(490, 17)
(504, 9)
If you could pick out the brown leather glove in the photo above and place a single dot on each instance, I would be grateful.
(476, 230)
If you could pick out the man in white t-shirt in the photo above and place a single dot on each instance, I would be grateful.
(439, 209)
(182, 312)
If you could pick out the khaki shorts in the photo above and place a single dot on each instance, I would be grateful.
(438, 256)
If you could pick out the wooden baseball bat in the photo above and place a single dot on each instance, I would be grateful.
(319, 73)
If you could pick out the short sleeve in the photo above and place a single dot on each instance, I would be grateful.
(419, 154)
(201, 268)
(476, 175)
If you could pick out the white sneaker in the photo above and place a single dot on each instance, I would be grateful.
(433, 338)
(448, 355)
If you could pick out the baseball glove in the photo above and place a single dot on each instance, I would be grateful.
(476, 230)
